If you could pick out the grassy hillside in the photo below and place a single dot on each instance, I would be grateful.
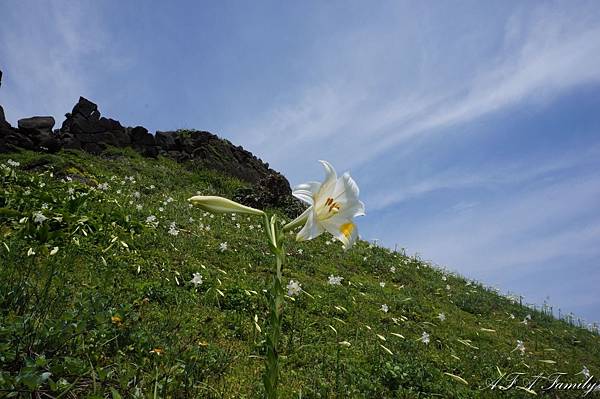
(96, 299)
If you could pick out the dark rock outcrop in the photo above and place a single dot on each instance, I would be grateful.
(39, 130)
(86, 129)
(273, 190)
(38, 123)
(3, 123)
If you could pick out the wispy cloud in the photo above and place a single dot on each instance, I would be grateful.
(514, 230)
(544, 53)
(51, 55)
(494, 177)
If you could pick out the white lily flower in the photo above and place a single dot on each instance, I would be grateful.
(216, 204)
(585, 372)
(333, 205)
(197, 280)
(294, 288)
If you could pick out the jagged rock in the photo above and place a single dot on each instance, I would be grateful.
(141, 137)
(39, 130)
(143, 142)
(3, 122)
(165, 140)
(12, 140)
(85, 128)
(270, 192)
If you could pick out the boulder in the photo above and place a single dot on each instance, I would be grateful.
(39, 130)
(39, 123)
(270, 192)
(165, 140)
(141, 137)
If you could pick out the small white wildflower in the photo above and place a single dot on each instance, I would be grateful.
(119, 191)
(170, 199)
(382, 284)
(300, 251)
(161, 209)
(392, 269)
(207, 228)
(137, 194)
(39, 218)
(45, 206)
(444, 278)
(222, 246)
(191, 220)
(102, 186)
(13, 163)
(425, 338)
(335, 280)
(520, 347)
(138, 207)
(237, 225)
(442, 317)
(71, 191)
(385, 308)
(173, 229)
(151, 219)
(585, 372)
(293, 288)
(27, 192)
(152, 187)
(448, 287)
(197, 280)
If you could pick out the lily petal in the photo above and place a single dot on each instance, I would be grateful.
(350, 185)
(346, 232)
(307, 191)
(311, 229)
(330, 180)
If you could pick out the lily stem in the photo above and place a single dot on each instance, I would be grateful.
(276, 302)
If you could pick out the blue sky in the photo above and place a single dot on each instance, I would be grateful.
(472, 128)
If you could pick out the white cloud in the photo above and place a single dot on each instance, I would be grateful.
(514, 230)
(493, 177)
(545, 52)
(51, 53)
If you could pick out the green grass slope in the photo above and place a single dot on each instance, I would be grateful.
(96, 299)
